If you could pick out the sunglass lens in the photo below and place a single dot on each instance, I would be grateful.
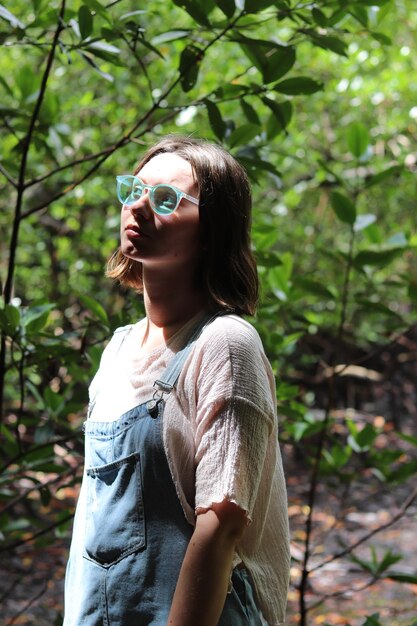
(130, 190)
(165, 199)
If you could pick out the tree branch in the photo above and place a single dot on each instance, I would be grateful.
(44, 531)
(348, 550)
(107, 152)
(20, 191)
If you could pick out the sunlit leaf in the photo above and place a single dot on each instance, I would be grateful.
(95, 307)
(357, 139)
(363, 221)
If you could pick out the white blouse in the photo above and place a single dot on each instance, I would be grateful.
(219, 431)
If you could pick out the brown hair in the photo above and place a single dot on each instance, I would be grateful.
(228, 270)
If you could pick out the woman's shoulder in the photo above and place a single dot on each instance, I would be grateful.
(231, 340)
(232, 330)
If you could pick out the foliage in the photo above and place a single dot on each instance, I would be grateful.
(315, 100)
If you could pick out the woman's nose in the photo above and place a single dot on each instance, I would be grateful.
(142, 207)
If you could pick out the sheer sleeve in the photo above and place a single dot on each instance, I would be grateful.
(235, 417)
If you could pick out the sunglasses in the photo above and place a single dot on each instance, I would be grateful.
(164, 199)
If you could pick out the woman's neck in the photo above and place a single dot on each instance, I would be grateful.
(171, 300)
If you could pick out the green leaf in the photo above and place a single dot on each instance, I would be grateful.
(402, 578)
(365, 437)
(196, 10)
(36, 317)
(343, 207)
(319, 17)
(85, 21)
(227, 6)
(189, 67)
(279, 278)
(380, 258)
(216, 121)
(254, 6)
(298, 85)
(249, 112)
(409, 438)
(130, 14)
(313, 287)
(338, 456)
(12, 316)
(254, 165)
(404, 472)
(372, 620)
(281, 116)
(95, 5)
(170, 35)
(360, 13)
(243, 135)
(382, 38)
(95, 308)
(27, 81)
(231, 90)
(329, 43)
(272, 60)
(93, 64)
(301, 430)
(107, 52)
(357, 139)
(377, 308)
(393, 170)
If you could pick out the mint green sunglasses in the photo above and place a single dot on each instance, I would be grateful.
(164, 199)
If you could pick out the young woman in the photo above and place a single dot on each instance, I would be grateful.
(182, 515)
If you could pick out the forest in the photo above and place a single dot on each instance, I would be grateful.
(317, 99)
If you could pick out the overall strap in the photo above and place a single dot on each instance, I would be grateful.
(171, 374)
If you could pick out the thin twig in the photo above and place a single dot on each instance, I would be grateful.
(320, 446)
(8, 176)
(336, 594)
(29, 604)
(127, 136)
(21, 455)
(19, 199)
(22, 496)
(21, 542)
(348, 550)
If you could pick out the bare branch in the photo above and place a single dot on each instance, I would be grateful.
(27, 605)
(44, 531)
(8, 176)
(400, 513)
(127, 137)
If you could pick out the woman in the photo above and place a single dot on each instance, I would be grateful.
(182, 515)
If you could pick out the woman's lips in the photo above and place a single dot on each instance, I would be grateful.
(134, 232)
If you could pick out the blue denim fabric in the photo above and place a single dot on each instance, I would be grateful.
(136, 533)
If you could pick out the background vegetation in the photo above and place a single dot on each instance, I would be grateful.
(317, 100)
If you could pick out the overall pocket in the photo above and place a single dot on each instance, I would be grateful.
(115, 524)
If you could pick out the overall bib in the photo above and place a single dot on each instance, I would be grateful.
(135, 531)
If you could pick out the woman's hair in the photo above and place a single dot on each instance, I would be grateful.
(227, 273)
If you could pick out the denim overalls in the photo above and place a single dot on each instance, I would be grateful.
(136, 534)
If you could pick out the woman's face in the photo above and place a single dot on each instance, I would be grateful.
(157, 240)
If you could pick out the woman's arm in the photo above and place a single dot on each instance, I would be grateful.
(205, 573)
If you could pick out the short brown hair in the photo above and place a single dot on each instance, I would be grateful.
(228, 272)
